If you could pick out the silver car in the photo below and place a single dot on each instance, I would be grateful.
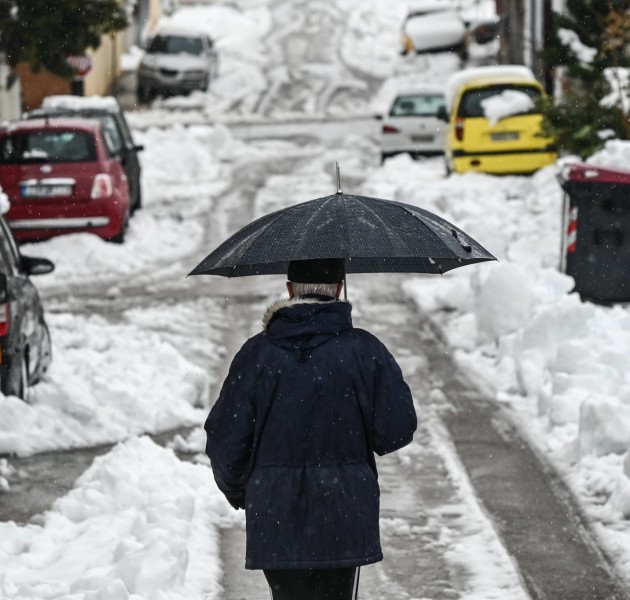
(176, 61)
(412, 124)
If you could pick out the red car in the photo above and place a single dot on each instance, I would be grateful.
(62, 176)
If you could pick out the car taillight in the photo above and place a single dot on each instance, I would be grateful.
(459, 130)
(4, 319)
(102, 186)
(390, 129)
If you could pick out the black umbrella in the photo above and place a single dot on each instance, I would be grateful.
(372, 235)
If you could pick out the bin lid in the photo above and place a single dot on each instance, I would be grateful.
(583, 172)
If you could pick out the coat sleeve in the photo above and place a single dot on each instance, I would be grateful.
(394, 413)
(230, 428)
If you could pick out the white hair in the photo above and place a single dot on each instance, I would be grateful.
(323, 289)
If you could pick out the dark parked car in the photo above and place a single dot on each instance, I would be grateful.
(25, 350)
(112, 118)
(62, 176)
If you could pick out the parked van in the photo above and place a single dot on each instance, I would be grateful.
(494, 125)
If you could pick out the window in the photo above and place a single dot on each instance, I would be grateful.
(47, 146)
(111, 133)
(175, 44)
(420, 105)
(470, 105)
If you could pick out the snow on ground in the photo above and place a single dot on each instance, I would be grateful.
(560, 364)
(107, 382)
(139, 524)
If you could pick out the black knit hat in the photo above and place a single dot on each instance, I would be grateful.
(320, 270)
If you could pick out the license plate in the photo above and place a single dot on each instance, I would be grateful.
(46, 191)
(422, 138)
(501, 136)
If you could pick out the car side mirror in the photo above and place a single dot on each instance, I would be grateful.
(36, 266)
(442, 114)
(4, 289)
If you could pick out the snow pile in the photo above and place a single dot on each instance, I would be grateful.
(5, 204)
(139, 525)
(371, 43)
(616, 153)
(130, 60)
(561, 364)
(506, 104)
(570, 38)
(107, 382)
(183, 162)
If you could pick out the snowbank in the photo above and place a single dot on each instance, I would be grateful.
(107, 382)
(584, 53)
(140, 524)
(5, 204)
(561, 364)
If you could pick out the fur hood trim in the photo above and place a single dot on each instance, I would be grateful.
(274, 307)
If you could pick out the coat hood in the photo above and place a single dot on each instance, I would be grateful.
(305, 323)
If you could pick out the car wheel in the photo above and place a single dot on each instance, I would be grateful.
(141, 94)
(119, 238)
(17, 377)
(137, 199)
(45, 354)
(145, 94)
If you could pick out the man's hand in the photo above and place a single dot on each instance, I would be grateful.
(236, 503)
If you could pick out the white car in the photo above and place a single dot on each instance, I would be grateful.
(176, 61)
(434, 31)
(412, 124)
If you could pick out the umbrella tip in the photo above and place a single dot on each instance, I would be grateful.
(338, 178)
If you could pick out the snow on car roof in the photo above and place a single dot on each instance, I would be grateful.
(427, 6)
(54, 124)
(498, 72)
(419, 91)
(81, 102)
(167, 28)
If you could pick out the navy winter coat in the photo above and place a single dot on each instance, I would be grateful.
(293, 433)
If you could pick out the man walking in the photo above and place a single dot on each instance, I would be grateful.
(291, 439)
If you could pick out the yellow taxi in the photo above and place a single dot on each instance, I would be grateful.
(493, 125)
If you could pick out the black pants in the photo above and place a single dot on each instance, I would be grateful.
(313, 584)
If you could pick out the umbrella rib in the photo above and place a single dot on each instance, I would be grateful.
(398, 237)
(314, 214)
(258, 234)
(415, 216)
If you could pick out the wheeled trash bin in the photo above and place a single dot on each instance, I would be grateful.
(596, 231)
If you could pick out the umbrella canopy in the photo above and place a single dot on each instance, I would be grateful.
(371, 234)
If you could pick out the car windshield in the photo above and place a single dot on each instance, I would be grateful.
(47, 146)
(417, 105)
(471, 103)
(175, 44)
